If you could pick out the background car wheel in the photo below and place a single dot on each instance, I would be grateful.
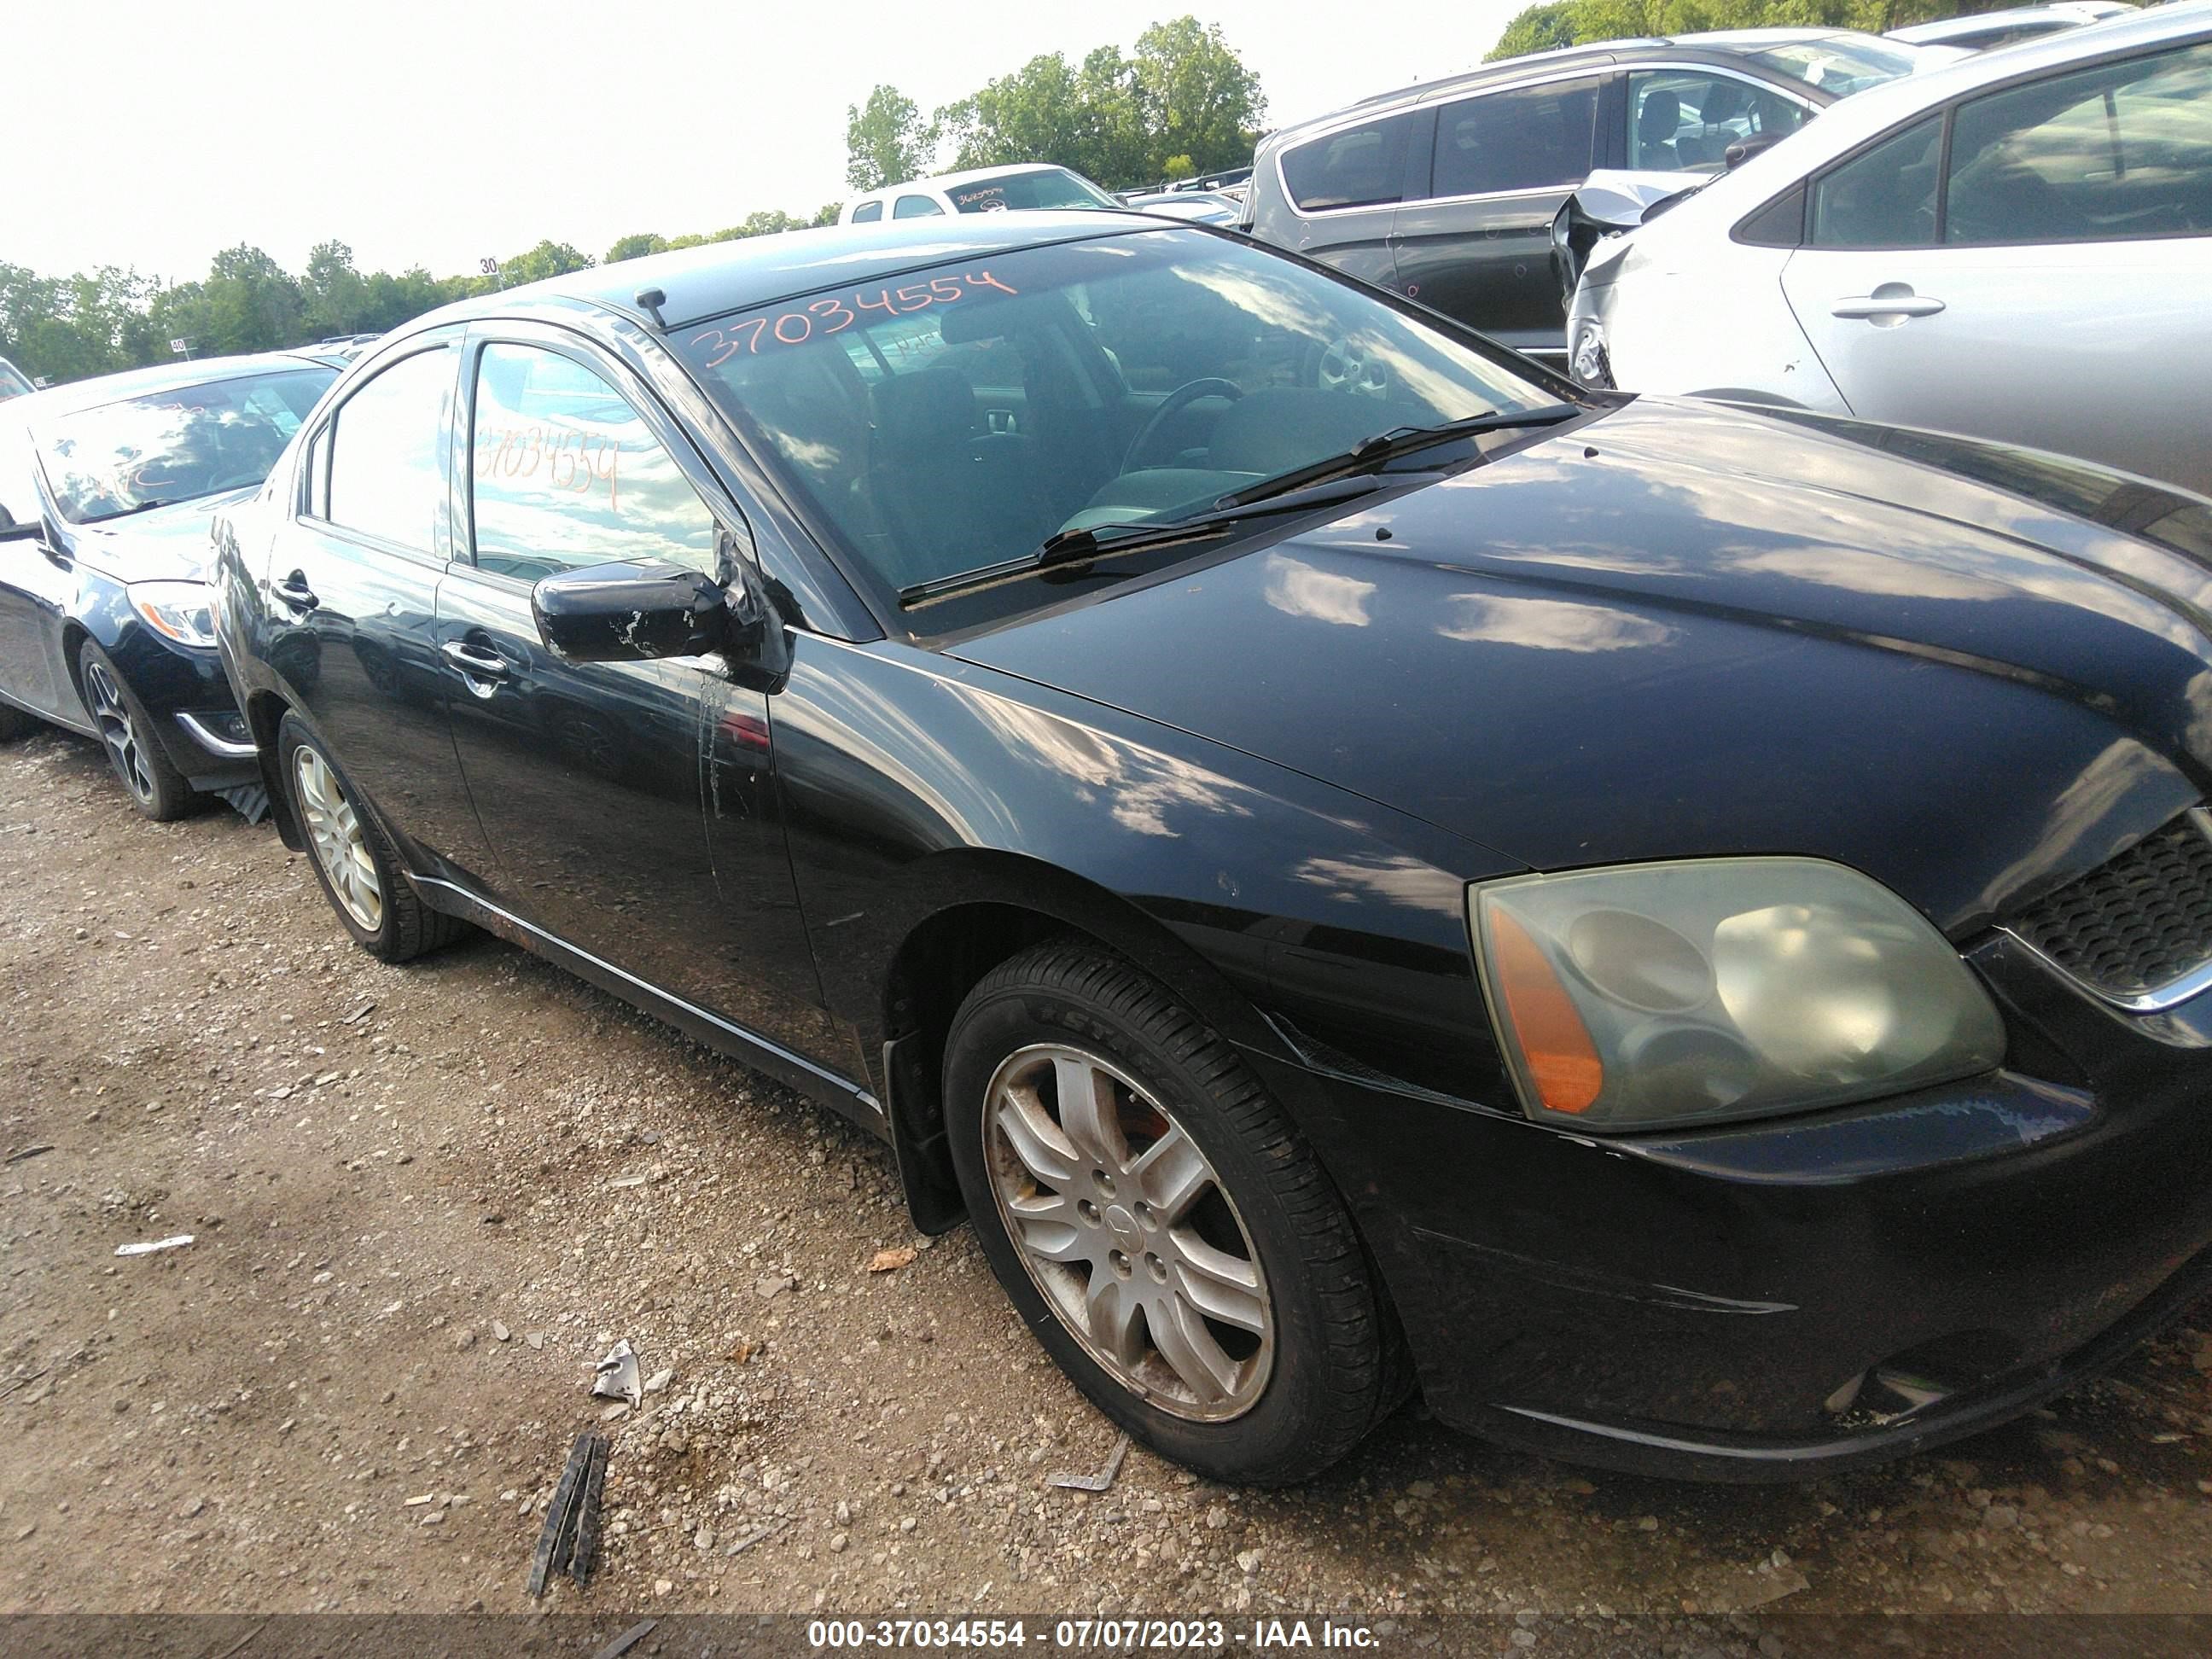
(14, 722)
(126, 731)
(1167, 1236)
(359, 872)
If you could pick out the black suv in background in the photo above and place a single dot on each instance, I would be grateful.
(1446, 192)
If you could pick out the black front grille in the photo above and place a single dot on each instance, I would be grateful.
(2136, 924)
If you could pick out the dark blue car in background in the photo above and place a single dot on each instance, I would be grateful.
(105, 488)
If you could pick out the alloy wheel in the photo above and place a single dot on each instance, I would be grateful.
(335, 828)
(1125, 1227)
(126, 745)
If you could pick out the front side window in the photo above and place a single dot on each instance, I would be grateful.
(1884, 197)
(1521, 138)
(884, 405)
(1684, 120)
(2112, 153)
(1360, 166)
(386, 477)
(174, 445)
(1029, 192)
(12, 384)
(915, 207)
(867, 212)
(565, 473)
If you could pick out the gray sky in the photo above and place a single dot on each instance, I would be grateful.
(154, 135)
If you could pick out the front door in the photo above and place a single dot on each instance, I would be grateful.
(2040, 279)
(595, 781)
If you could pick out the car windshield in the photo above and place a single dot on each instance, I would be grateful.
(957, 417)
(174, 444)
(1840, 65)
(1053, 187)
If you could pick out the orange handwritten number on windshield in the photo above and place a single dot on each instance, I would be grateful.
(829, 308)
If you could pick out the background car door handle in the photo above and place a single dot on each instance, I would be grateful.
(475, 661)
(294, 592)
(1891, 300)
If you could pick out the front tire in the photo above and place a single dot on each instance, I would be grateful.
(1158, 1223)
(353, 860)
(126, 730)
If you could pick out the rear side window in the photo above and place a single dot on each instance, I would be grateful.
(1360, 166)
(915, 207)
(1884, 197)
(2112, 153)
(386, 476)
(1521, 138)
(867, 212)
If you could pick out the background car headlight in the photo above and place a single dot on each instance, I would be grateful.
(1669, 994)
(1587, 359)
(184, 612)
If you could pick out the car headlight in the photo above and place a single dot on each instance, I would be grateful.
(1587, 358)
(182, 611)
(1669, 994)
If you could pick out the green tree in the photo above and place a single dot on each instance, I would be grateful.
(1574, 23)
(1118, 119)
(1195, 96)
(548, 259)
(636, 247)
(333, 293)
(886, 141)
(827, 213)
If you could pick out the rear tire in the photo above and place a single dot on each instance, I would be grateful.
(353, 859)
(14, 722)
(127, 732)
(1179, 1250)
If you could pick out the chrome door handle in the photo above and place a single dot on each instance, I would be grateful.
(294, 592)
(475, 661)
(1906, 303)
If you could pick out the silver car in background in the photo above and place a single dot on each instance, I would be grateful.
(2016, 248)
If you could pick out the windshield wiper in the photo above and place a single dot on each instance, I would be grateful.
(127, 512)
(1065, 547)
(1387, 447)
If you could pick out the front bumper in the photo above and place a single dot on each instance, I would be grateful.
(1783, 1299)
(194, 712)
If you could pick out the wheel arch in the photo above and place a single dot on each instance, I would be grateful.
(265, 713)
(984, 908)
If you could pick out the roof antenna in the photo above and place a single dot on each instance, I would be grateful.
(651, 299)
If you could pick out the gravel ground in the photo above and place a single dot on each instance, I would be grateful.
(425, 1199)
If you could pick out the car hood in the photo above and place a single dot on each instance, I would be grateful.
(1689, 629)
(169, 544)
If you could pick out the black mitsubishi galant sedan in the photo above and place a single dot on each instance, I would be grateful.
(106, 627)
(1353, 862)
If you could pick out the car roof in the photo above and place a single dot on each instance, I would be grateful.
(1847, 126)
(944, 181)
(1943, 30)
(1718, 43)
(78, 395)
(699, 282)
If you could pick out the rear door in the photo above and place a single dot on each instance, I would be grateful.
(350, 590)
(2032, 269)
(593, 781)
(1342, 189)
(1476, 241)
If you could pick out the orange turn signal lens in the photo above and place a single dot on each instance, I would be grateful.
(1563, 1062)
